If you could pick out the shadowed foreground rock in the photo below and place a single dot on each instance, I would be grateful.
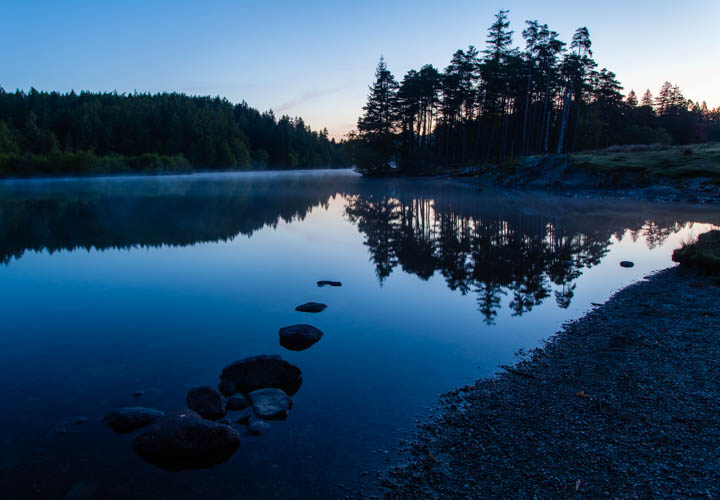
(299, 337)
(623, 403)
(207, 402)
(259, 372)
(124, 420)
(185, 440)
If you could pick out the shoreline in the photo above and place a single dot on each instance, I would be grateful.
(624, 401)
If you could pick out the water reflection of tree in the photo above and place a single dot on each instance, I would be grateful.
(526, 257)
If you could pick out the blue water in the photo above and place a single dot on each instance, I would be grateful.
(114, 285)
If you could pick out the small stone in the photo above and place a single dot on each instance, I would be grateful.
(137, 394)
(258, 427)
(123, 420)
(207, 401)
(237, 402)
(80, 421)
(328, 283)
(243, 417)
(270, 404)
(311, 307)
(626, 263)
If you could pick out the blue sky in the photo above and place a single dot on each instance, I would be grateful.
(315, 59)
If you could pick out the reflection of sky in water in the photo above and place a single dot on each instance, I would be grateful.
(83, 329)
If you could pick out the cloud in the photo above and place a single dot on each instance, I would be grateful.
(310, 95)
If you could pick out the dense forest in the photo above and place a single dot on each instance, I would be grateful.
(54, 133)
(505, 102)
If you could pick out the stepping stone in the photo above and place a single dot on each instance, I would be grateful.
(123, 420)
(270, 404)
(328, 283)
(626, 263)
(258, 372)
(299, 337)
(311, 307)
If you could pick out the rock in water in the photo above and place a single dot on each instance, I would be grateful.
(299, 337)
(328, 283)
(311, 307)
(259, 372)
(627, 263)
(257, 427)
(207, 402)
(237, 402)
(270, 404)
(123, 420)
(244, 416)
(185, 440)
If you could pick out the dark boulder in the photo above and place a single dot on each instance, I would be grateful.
(124, 420)
(626, 263)
(328, 283)
(270, 404)
(207, 401)
(237, 402)
(226, 387)
(311, 307)
(258, 372)
(244, 416)
(299, 337)
(185, 440)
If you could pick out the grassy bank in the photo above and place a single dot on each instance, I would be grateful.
(673, 162)
(703, 254)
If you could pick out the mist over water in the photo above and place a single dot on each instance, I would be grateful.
(116, 285)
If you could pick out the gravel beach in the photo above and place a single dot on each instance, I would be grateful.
(622, 403)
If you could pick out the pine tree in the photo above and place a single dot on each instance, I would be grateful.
(647, 99)
(631, 99)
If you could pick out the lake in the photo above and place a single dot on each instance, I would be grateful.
(109, 286)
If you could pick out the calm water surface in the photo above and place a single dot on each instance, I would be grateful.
(111, 286)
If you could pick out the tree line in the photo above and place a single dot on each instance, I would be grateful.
(506, 102)
(51, 132)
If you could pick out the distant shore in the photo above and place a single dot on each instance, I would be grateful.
(624, 402)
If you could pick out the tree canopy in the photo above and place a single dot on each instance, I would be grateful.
(503, 102)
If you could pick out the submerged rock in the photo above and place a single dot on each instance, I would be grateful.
(123, 420)
(80, 421)
(258, 372)
(328, 283)
(270, 404)
(627, 263)
(311, 307)
(237, 402)
(207, 401)
(185, 440)
(258, 427)
(299, 337)
(244, 416)
(137, 394)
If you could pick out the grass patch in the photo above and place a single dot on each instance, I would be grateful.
(676, 162)
(703, 254)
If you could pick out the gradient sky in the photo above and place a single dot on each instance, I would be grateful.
(315, 59)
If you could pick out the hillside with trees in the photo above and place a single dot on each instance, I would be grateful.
(51, 133)
(506, 102)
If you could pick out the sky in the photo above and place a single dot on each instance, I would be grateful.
(315, 59)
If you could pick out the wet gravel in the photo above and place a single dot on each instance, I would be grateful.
(622, 403)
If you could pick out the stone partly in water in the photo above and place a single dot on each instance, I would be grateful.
(257, 427)
(270, 404)
(124, 420)
(259, 372)
(627, 263)
(184, 440)
(299, 337)
(311, 307)
(237, 402)
(244, 416)
(328, 283)
(207, 401)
